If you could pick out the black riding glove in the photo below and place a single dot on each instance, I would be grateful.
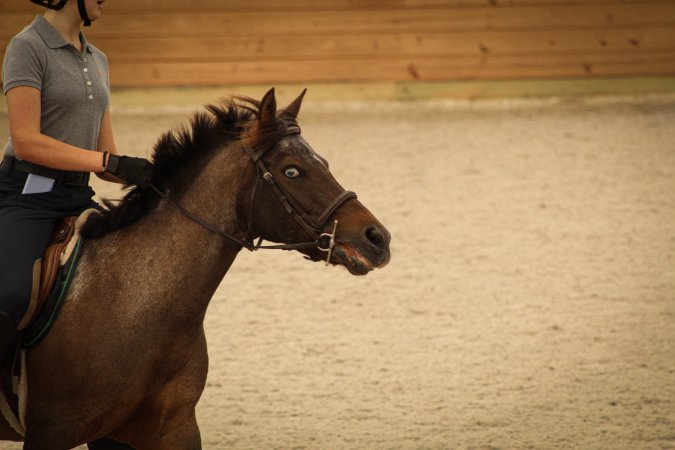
(131, 170)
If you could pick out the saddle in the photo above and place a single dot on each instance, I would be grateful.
(51, 263)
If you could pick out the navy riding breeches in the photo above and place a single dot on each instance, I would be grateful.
(26, 224)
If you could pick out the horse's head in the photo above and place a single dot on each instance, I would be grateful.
(297, 199)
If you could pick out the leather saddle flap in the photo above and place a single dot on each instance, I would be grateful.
(51, 261)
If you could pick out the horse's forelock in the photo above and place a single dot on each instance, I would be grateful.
(261, 131)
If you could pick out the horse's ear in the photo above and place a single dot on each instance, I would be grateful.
(292, 110)
(268, 107)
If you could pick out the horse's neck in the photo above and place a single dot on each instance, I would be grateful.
(182, 260)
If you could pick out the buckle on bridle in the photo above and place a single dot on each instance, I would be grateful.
(331, 242)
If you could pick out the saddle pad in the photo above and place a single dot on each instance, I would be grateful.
(44, 320)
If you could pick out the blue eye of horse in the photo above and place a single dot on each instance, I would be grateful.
(292, 172)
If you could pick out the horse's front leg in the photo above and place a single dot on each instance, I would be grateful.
(166, 420)
(172, 429)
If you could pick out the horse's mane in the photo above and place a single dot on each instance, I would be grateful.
(180, 154)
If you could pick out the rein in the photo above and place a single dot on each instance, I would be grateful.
(290, 205)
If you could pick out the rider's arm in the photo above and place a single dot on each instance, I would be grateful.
(23, 108)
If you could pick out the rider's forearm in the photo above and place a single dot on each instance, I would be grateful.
(47, 151)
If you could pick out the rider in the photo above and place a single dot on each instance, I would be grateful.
(57, 94)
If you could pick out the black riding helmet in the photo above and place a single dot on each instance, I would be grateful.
(61, 3)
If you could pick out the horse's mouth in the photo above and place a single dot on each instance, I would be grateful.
(354, 261)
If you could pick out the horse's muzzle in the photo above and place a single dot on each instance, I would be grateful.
(369, 252)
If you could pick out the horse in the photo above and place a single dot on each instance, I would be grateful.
(127, 358)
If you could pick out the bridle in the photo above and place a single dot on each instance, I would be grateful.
(290, 204)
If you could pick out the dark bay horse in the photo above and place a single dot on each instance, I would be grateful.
(127, 357)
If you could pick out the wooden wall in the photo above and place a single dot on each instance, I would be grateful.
(211, 42)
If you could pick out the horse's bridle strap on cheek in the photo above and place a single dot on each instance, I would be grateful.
(292, 207)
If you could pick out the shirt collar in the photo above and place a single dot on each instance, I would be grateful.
(53, 38)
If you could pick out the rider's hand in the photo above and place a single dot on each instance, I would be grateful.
(131, 170)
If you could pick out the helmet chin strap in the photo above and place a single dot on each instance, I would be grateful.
(83, 13)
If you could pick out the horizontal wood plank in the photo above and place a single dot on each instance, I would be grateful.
(390, 21)
(432, 19)
(397, 69)
(368, 46)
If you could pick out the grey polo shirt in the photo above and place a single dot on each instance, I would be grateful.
(74, 86)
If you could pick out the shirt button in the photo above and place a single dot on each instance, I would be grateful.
(88, 83)
(91, 97)
(85, 69)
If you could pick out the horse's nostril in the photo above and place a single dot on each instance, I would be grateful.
(376, 236)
